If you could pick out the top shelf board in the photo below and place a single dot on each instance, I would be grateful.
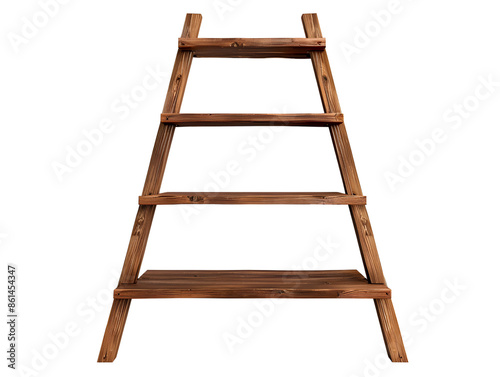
(297, 48)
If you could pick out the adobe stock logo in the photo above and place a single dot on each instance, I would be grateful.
(121, 108)
(249, 149)
(33, 25)
(420, 321)
(325, 248)
(363, 36)
(454, 117)
(222, 7)
(39, 360)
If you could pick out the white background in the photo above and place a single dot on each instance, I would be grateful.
(436, 227)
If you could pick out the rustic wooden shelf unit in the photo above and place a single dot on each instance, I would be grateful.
(252, 284)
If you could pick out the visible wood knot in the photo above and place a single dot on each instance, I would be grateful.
(138, 225)
(235, 44)
(364, 222)
(194, 198)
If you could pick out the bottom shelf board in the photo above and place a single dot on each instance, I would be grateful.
(251, 284)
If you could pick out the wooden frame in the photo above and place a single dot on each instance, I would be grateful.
(154, 177)
(252, 284)
(371, 261)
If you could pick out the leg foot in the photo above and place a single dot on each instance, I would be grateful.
(390, 330)
(114, 330)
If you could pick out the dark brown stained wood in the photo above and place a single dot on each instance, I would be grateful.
(371, 261)
(252, 284)
(251, 198)
(200, 120)
(114, 330)
(252, 47)
(154, 177)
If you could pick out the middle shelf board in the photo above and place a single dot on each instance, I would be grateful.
(327, 198)
(239, 119)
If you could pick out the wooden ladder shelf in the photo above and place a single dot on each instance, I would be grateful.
(252, 284)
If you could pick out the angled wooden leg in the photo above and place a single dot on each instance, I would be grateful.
(385, 310)
(359, 215)
(130, 271)
(390, 330)
(114, 330)
(145, 214)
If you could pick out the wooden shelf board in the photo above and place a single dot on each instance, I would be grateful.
(251, 284)
(297, 48)
(228, 119)
(324, 198)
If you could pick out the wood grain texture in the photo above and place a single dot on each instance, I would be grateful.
(390, 330)
(252, 284)
(114, 330)
(359, 215)
(251, 198)
(252, 47)
(205, 120)
(344, 154)
(154, 177)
